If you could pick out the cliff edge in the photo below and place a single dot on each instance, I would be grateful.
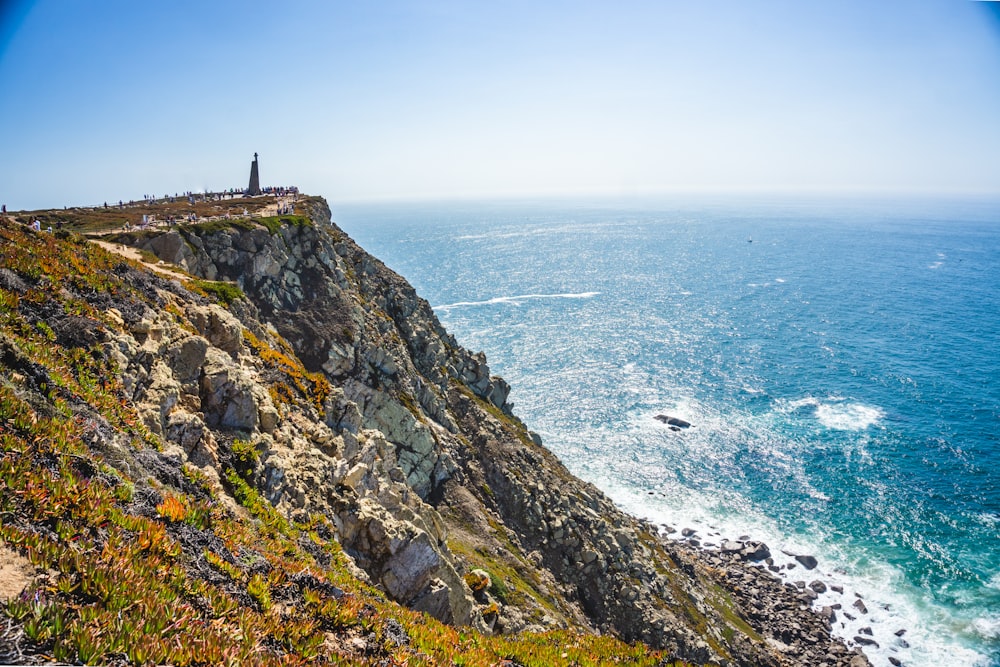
(296, 387)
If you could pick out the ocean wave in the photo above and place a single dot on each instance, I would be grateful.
(516, 300)
(836, 413)
(848, 416)
(987, 627)
(892, 606)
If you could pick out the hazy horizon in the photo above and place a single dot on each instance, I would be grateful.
(441, 100)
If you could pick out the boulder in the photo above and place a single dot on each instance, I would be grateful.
(808, 562)
(755, 551)
(729, 546)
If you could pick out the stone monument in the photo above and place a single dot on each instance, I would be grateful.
(254, 188)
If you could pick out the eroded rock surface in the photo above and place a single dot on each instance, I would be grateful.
(334, 389)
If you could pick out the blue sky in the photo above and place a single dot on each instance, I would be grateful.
(439, 99)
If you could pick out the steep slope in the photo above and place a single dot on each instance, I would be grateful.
(295, 399)
(455, 481)
(129, 532)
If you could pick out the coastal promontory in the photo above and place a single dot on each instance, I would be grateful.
(240, 438)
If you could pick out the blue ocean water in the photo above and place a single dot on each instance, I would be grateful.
(839, 360)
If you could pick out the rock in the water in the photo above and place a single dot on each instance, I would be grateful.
(673, 421)
(808, 562)
(860, 606)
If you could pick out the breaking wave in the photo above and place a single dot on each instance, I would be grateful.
(515, 300)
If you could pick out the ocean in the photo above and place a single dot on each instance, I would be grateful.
(839, 361)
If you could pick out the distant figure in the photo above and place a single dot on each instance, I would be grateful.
(254, 188)
(5, 209)
(37, 225)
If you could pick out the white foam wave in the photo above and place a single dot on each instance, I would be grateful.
(935, 265)
(987, 627)
(890, 604)
(657, 482)
(835, 412)
(848, 416)
(515, 300)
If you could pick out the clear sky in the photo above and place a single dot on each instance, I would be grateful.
(355, 100)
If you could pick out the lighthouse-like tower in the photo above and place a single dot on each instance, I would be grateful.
(254, 188)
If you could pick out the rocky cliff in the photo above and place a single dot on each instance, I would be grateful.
(293, 367)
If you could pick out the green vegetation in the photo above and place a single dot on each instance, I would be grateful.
(210, 227)
(276, 222)
(224, 292)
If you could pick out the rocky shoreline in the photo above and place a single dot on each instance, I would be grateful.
(779, 610)
(773, 587)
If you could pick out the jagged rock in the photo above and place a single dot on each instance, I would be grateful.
(219, 327)
(419, 447)
(197, 441)
(729, 546)
(186, 357)
(229, 396)
(755, 551)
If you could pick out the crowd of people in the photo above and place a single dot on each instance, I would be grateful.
(285, 196)
(194, 197)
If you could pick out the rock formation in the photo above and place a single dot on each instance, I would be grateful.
(330, 386)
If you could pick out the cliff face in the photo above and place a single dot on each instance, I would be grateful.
(329, 386)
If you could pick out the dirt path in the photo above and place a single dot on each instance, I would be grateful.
(160, 267)
(170, 270)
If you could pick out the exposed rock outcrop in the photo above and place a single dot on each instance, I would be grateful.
(378, 419)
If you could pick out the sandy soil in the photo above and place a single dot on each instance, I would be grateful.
(16, 572)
